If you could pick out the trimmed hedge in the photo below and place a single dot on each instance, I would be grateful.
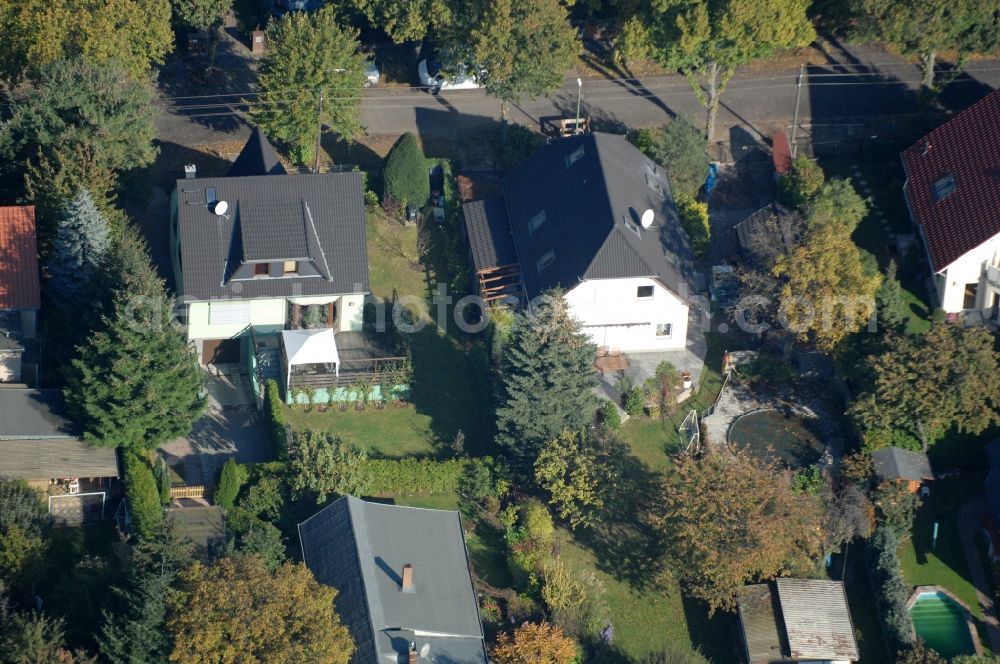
(407, 477)
(277, 429)
(404, 176)
(891, 591)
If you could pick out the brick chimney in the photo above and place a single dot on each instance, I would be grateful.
(412, 654)
(407, 578)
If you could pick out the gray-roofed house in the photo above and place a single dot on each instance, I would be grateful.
(39, 445)
(251, 250)
(595, 217)
(796, 620)
(894, 464)
(403, 581)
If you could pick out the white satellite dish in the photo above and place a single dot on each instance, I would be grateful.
(220, 208)
(425, 650)
(647, 218)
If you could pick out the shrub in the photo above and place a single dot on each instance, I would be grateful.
(275, 412)
(143, 496)
(231, 479)
(891, 591)
(681, 148)
(801, 184)
(574, 598)
(530, 536)
(162, 473)
(633, 401)
(485, 481)
(694, 221)
(519, 144)
(610, 417)
(409, 476)
(404, 176)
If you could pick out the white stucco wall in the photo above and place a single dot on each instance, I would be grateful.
(604, 305)
(965, 270)
(267, 314)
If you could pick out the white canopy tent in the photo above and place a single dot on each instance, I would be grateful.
(309, 347)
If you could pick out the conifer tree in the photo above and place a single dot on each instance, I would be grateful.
(890, 301)
(79, 250)
(136, 383)
(548, 378)
(143, 497)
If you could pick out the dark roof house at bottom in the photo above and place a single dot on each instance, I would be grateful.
(573, 212)
(402, 576)
(796, 620)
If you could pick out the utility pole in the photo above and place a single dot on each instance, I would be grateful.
(319, 131)
(579, 91)
(798, 99)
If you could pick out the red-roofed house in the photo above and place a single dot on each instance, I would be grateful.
(20, 294)
(953, 193)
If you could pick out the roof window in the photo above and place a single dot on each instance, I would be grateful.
(536, 222)
(575, 156)
(943, 186)
(546, 260)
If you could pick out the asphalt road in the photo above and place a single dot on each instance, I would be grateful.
(857, 85)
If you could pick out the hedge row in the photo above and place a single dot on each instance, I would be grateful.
(891, 591)
(407, 477)
(277, 429)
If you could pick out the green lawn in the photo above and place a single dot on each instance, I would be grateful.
(943, 564)
(393, 261)
(393, 432)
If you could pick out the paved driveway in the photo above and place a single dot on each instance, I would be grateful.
(231, 427)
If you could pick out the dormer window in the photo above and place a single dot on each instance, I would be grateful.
(291, 267)
(546, 260)
(943, 186)
(261, 269)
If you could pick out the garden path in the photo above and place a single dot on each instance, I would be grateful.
(969, 518)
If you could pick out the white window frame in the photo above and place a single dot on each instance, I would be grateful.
(228, 313)
(669, 333)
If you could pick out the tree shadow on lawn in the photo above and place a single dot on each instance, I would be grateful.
(717, 637)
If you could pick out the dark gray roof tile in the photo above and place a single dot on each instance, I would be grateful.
(488, 229)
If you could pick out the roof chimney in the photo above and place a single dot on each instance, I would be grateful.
(412, 654)
(190, 171)
(407, 578)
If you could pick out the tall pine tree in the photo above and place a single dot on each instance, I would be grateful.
(548, 379)
(136, 383)
(79, 250)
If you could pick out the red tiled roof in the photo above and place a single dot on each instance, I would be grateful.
(18, 259)
(967, 147)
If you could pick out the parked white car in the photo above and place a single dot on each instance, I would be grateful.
(372, 74)
(432, 77)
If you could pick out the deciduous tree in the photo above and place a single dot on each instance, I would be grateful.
(311, 76)
(926, 27)
(681, 149)
(203, 15)
(136, 383)
(708, 39)
(236, 610)
(407, 20)
(547, 377)
(521, 47)
(534, 643)
(322, 464)
(922, 386)
(730, 520)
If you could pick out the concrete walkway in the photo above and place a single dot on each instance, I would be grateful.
(969, 518)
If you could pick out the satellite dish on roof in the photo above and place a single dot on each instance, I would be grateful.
(647, 218)
(425, 650)
(220, 208)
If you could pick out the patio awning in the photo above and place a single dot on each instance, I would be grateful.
(310, 347)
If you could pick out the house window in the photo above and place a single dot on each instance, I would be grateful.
(228, 313)
(943, 186)
(546, 260)
(261, 269)
(644, 292)
(664, 329)
(574, 156)
(536, 222)
(291, 267)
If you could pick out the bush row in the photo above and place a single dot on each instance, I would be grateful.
(891, 591)
(407, 477)
(276, 426)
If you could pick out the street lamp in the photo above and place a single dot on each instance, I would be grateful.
(579, 90)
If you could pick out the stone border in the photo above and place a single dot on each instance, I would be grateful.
(801, 411)
(920, 590)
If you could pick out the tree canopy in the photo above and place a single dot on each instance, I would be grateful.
(730, 520)
(708, 39)
(199, 14)
(407, 20)
(312, 75)
(534, 643)
(133, 33)
(926, 27)
(322, 464)
(547, 378)
(79, 250)
(923, 385)
(681, 149)
(237, 610)
(404, 175)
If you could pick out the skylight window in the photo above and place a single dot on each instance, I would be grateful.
(943, 186)
(536, 222)
(546, 260)
(575, 156)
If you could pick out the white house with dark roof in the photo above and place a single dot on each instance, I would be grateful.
(251, 249)
(402, 574)
(953, 193)
(595, 217)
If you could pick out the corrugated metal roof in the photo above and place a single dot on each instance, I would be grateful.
(55, 458)
(966, 149)
(19, 288)
(488, 229)
(760, 618)
(894, 463)
(817, 620)
(360, 548)
(593, 190)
